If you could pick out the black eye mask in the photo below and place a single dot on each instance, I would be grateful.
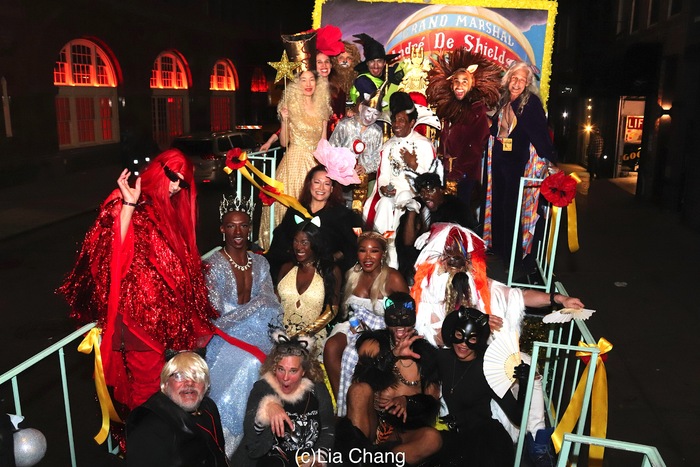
(399, 310)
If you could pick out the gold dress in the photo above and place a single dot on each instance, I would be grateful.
(301, 310)
(305, 131)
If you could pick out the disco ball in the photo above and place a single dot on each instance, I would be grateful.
(30, 447)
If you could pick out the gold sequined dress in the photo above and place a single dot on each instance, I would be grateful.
(305, 131)
(301, 310)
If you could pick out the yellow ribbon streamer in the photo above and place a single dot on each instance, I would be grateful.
(599, 404)
(571, 224)
(88, 345)
(572, 220)
(285, 199)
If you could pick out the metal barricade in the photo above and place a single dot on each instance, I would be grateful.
(560, 371)
(650, 455)
(544, 246)
(55, 348)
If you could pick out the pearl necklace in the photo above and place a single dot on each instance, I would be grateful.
(235, 264)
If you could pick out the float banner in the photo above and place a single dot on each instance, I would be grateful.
(503, 31)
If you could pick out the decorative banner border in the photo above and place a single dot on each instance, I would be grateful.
(501, 30)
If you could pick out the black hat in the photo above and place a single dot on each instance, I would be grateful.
(371, 50)
(400, 101)
(399, 310)
(463, 324)
(427, 180)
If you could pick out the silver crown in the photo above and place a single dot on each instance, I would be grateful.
(231, 203)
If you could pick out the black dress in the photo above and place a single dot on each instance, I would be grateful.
(337, 224)
(160, 433)
(476, 439)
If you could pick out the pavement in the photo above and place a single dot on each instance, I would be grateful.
(636, 267)
(29, 206)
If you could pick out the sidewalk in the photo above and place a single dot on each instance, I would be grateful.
(29, 206)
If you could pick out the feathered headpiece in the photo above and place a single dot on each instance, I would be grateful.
(231, 203)
(485, 76)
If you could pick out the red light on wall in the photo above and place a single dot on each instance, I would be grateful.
(259, 82)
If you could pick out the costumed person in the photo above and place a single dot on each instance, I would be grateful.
(403, 157)
(139, 275)
(304, 111)
(463, 87)
(329, 45)
(376, 68)
(241, 290)
(393, 399)
(363, 136)
(178, 425)
(474, 436)
(366, 285)
(520, 146)
(322, 196)
(328, 48)
(289, 411)
(433, 204)
(452, 260)
(344, 73)
(309, 287)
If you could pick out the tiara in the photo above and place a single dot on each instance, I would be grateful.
(231, 203)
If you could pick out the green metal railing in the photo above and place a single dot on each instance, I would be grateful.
(650, 455)
(55, 348)
(560, 373)
(544, 248)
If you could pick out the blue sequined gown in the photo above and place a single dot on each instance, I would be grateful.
(233, 371)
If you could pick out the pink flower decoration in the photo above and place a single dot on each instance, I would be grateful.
(339, 163)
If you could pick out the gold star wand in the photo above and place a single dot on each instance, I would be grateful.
(285, 68)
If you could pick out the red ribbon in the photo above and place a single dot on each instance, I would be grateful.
(251, 349)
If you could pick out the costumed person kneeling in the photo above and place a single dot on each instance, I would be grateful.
(474, 437)
(393, 400)
(289, 415)
(179, 425)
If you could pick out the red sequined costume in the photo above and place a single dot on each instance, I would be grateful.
(143, 295)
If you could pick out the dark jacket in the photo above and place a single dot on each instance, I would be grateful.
(160, 433)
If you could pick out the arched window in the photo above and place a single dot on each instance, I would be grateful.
(86, 105)
(222, 82)
(223, 76)
(169, 72)
(170, 79)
